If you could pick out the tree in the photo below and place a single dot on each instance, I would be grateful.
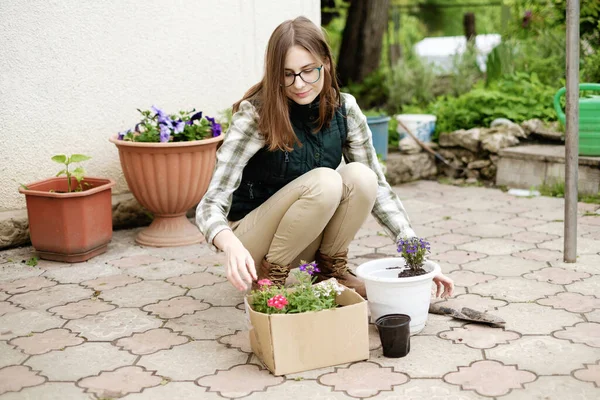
(362, 41)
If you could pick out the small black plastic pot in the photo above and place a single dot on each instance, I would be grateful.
(394, 333)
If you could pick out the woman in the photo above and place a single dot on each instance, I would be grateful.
(276, 197)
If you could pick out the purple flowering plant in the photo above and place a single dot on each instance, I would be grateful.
(158, 126)
(303, 296)
(413, 250)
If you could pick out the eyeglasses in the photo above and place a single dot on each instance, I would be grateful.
(308, 75)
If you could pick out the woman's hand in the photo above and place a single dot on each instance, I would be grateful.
(239, 264)
(445, 286)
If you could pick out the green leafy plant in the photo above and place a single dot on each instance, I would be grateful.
(518, 97)
(77, 173)
(301, 297)
(411, 81)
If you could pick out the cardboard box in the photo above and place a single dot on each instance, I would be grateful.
(289, 343)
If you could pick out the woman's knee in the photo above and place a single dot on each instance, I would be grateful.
(327, 184)
(359, 178)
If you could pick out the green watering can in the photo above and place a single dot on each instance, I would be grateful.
(589, 119)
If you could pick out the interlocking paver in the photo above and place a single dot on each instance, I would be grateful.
(544, 355)
(572, 302)
(504, 265)
(424, 360)
(430, 389)
(457, 256)
(584, 245)
(302, 389)
(110, 282)
(163, 270)
(113, 324)
(364, 379)
(151, 341)
(219, 294)
(558, 228)
(80, 361)
(516, 289)
(176, 307)
(557, 276)
(488, 230)
(120, 382)
(135, 261)
(591, 373)
(496, 246)
(175, 390)
(209, 324)
(82, 308)
(589, 263)
(6, 308)
(45, 342)
(81, 273)
(479, 336)
(15, 377)
(239, 381)
(587, 286)
(518, 318)
(584, 332)
(52, 296)
(554, 387)
(532, 237)
(239, 340)
(24, 322)
(10, 355)
(156, 323)
(49, 391)
(469, 278)
(142, 293)
(26, 285)
(177, 364)
(11, 272)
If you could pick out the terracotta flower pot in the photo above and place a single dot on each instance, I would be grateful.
(168, 179)
(69, 227)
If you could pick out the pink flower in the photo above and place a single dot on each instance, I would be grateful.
(264, 282)
(277, 302)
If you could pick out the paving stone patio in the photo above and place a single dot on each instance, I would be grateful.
(146, 323)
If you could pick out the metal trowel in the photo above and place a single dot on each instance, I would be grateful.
(467, 314)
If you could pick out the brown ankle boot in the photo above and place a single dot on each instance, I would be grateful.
(336, 266)
(277, 274)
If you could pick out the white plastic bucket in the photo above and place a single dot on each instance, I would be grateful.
(388, 294)
(421, 125)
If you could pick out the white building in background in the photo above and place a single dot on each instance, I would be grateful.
(73, 72)
(440, 51)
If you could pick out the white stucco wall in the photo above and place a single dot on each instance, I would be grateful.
(73, 72)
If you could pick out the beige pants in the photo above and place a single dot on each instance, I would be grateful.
(321, 210)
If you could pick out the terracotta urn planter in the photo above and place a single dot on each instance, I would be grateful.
(69, 227)
(168, 179)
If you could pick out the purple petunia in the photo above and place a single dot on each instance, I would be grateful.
(165, 134)
(178, 126)
(215, 126)
(309, 268)
(195, 117)
(122, 134)
(161, 114)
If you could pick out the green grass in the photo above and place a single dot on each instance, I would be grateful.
(557, 189)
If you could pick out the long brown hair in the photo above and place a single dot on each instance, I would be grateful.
(268, 95)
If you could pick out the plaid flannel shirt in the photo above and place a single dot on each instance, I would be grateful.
(243, 141)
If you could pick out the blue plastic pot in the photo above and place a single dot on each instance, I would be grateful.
(379, 128)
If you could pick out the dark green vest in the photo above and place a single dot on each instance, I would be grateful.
(269, 171)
